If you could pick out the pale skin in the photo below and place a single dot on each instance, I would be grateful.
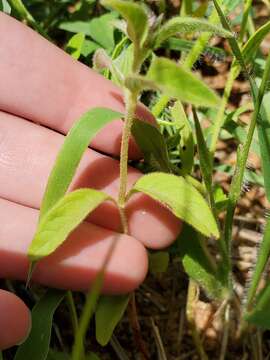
(42, 92)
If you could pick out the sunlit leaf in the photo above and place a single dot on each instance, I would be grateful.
(181, 25)
(181, 198)
(177, 82)
(76, 142)
(5, 7)
(37, 344)
(135, 16)
(75, 45)
(61, 219)
(109, 312)
(252, 45)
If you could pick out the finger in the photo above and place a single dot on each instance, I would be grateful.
(27, 159)
(75, 264)
(15, 320)
(42, 83)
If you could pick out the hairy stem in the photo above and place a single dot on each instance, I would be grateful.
(218, 123)
(131, 101)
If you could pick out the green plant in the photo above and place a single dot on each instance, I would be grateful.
(169, 161)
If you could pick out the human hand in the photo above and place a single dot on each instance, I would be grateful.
(42, 92)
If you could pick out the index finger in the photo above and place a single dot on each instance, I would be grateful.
(42, 83)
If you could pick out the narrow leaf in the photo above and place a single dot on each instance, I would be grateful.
(181, 198)
(252, 45)
(263, 125)
(135, 16)
(186, 138)
(37, 344)
(204, 154)
(177, 82)
(182, 25)
(76, 142)
(61, 219)
(109, 312)
(262, 259)
(152, 144)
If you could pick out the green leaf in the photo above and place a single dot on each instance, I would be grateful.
(5, 7)
(221, 200)
(181, 198)
(252, 45)
(197, 264)
(158, 262)
(89, 47)
(152, 144)
(75, 27)
(182, 25)
(186, 138)
(109, 312)
(37, 344)
(262, 259)
(61, 219)
(135, 15)
(177, 82)
(204, 155)
(260, 315)
(102, 31)
(76, 142)
(75, 45)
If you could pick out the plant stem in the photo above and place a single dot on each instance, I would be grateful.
(90, 305)
(131, 102)
(133, 319)
(192, 298)
(225, 338)
(243, 152)
(234, 71)
(73, 312)
(248, 4)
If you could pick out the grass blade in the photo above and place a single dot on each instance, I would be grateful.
(261, 262)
